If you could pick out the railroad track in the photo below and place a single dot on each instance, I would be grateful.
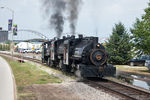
(122, 90)
(129, 77)
(24, 57)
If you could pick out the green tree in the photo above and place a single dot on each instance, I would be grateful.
(3, 47)
(8, 46)
(0, 47)
(8, 42)
(141, 33)
(119, 46)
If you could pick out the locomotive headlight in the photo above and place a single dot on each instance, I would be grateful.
(98, 45)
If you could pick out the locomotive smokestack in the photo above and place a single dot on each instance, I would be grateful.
(72, 36)
(80, 36)
(64, 37)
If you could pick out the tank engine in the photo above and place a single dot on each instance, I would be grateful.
(83, 56)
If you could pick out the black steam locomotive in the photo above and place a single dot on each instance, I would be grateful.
(83, 55)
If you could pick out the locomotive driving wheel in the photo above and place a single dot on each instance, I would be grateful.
(61, 64)
(98, 57)
(48, 62)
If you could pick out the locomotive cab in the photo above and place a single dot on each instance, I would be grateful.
(45, 51)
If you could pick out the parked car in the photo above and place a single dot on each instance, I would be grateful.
(147, 64)
(34, 51)
(140, 61)
(27, 51)
(38, 51)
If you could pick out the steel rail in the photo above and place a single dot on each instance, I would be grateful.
(124, 91)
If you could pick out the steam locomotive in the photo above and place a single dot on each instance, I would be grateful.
(83, 56)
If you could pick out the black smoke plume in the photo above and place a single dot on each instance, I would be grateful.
(54, 9)
(57, 22)
(73, 10)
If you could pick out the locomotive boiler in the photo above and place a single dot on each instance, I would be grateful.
(83, 56)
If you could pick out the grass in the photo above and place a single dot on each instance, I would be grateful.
(26, 96)
(27, 74)
(141, 70)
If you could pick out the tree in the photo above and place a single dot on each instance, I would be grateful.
(0, 47)
(119, 46)
(141, 33)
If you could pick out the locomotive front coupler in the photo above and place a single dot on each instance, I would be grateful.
(101, 68)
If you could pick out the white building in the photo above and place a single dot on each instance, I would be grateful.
(27, 45)
(24, 45)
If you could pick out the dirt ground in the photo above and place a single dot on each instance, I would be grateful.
(49, 92)
(64, 91)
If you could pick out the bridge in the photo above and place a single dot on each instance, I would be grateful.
(29, 36)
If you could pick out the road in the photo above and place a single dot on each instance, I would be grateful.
(7, 87)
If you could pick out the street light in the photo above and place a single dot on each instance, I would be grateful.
(12, 11)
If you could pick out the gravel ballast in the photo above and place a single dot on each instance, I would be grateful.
(69, 91)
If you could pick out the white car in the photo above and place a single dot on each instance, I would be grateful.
(38, 51)
(27, 51)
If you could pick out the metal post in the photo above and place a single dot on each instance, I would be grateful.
(12, 32)
(12, 43)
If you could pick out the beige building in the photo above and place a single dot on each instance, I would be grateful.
(3, 36)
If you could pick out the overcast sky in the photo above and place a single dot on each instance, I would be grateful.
(100, 15)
